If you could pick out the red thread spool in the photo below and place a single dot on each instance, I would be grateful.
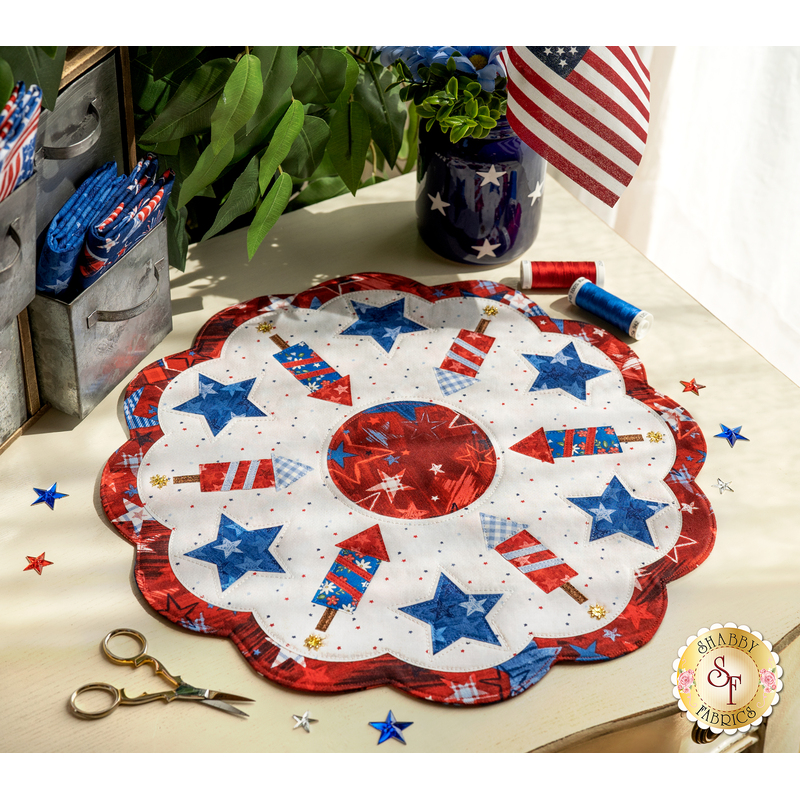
(558, 274)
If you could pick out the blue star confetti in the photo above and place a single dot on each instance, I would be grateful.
(219, 403)
(565, 371)
(732, 435)
(383, 323)
(390, 729)
(237, 551)
(454, 614)
(617, 511)
(48, 496)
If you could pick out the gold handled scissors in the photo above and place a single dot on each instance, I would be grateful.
(182, 690)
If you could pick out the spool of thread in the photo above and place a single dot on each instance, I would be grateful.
(558, 274)
(584, 294)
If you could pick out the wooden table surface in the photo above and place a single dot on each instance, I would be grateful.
(52, 624)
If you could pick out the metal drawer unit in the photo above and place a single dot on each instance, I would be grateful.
(83, 349)
(82, 133)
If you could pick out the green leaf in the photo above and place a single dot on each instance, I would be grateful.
(249, 140)
(308, 148)
(170, 148)
(321, 76)
(177, 236)
(208, 168)
(50, 52)
(6, 81)
(350, 138)
(268, 212)
(351, 79)
(238, 101)
(386, 112)
(283, 138)
(168, 59)
(189, 111)
(319, 190)
(34, 65)
(410, 146)
(278, 70)
(242, 198)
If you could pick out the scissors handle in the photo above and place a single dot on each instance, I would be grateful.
(140, 658)
(90, 687)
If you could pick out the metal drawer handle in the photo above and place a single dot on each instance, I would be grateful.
(127, 313)
(76, 148)
(14, 236)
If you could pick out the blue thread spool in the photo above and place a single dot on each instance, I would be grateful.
(584, 294)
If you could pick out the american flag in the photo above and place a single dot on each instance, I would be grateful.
(584, 109)
(19, 121)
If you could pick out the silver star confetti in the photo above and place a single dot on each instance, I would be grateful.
(723, 486)
(303, 722)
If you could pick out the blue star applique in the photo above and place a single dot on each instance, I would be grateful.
(383, 323)
(617, 511)
(219, 403)
(237, 551)
(588, 653)
(48, 496)
(564, 370)
(339, 455)
(454, 614)
(390, 729)
(732, 435)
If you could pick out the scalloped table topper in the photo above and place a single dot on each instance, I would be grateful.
(380, 482)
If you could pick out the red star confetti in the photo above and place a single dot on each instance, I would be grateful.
(38, 563)
(692, 386)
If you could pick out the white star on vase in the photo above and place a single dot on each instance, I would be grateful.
(491, 177)
(486, 249)
(436, 468)
(438, 204)
(537, 192)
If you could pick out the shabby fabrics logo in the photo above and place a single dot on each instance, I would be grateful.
(726, 678)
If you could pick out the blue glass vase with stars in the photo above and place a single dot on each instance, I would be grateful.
(479, 201)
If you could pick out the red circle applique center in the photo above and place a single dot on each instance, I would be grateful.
(411, 460)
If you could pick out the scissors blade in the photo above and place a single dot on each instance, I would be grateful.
(225, 707)
(234, 698)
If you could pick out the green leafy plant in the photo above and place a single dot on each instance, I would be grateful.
(462, 89)
(34, 65)
(254, 131)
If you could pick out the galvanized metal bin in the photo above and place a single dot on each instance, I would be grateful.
(83, 349)
(80, 134)
(17, 251)
(13, 409)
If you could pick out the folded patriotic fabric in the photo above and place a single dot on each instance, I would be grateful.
(438, 488)
(140, 209)
(67, 232)
(19, 121)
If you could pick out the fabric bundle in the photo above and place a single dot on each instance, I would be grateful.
(106, 216)
(139, 210)
(19, 121)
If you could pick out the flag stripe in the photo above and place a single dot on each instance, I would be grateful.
(562, 163)
(605, 113)
(591, 59)
(540, 92)
(587, 115)
(558, 136)
(624, 55)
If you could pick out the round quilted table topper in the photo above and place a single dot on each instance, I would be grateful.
(380, 482)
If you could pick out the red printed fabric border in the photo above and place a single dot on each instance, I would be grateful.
(301, 668)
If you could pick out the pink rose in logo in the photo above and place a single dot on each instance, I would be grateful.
(686, 680)
(768, 681)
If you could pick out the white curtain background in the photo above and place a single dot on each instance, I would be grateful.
(714, 203)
